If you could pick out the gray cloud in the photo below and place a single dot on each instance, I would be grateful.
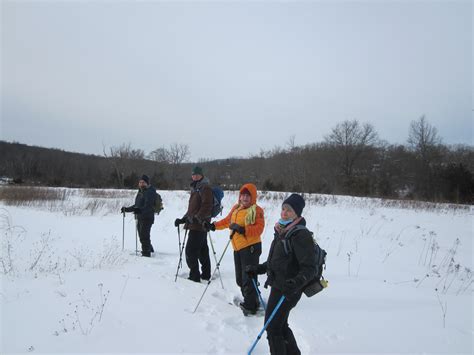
(231, 78)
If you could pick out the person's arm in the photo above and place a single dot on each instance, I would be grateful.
(303, 248)
(225, 222)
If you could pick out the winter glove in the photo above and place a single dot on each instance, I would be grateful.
(254, 270)
(122, 210)
(236, 228)
(208, 226)
(127, 209)
(179, 221)
(293, 285)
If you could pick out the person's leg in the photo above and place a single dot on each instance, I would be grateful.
(144, 227)
(238, 269)
(279, 335)
(250, 256)
(204, 258)
(193, 246)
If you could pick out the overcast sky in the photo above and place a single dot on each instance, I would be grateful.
(231, 78)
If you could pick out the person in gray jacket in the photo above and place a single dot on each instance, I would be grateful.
(144, 210)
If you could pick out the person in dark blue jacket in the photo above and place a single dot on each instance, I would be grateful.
(144, 210)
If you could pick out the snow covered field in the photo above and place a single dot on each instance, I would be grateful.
(400, 280)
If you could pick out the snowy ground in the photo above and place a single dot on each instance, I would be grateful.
(400, 281)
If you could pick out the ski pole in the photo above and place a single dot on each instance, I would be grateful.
(123, 230)
(217, 268)
(259, 293)
(215, 258)
(266, 324)
(136, 236)
(180, 254)
(179, 240)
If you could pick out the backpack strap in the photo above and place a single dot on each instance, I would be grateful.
(286, 239)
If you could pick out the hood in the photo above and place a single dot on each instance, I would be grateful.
(253, 192)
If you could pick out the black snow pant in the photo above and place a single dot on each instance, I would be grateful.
(247, 256)
(280, 337)
(197, 250)
(144, 228)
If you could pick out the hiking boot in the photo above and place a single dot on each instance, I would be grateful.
(195, 280)
(205, 277)
(247, 311)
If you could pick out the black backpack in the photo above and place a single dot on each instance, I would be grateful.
(158, 203)
(318, 283)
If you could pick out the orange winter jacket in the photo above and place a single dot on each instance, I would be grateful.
(238, 215)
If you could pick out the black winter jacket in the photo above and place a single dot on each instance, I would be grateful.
(144, 206)
(298, 261)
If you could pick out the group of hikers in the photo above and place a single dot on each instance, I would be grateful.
(287, 272)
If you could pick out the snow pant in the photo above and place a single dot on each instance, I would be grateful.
(197, 250)
(144, 228)
(280, 337)
(247, 256)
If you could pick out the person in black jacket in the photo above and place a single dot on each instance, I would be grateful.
(144, 209)
(199, 211)
(290, 266)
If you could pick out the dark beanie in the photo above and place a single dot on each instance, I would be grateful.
(146, 179)
(296, 202)
(197, 170)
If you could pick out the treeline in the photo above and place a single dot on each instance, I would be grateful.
(352, 160)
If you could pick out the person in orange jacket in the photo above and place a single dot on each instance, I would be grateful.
(246, 223)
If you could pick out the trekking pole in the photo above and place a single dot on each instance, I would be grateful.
(215, 258)
(266, 324)
(259, 293)
(179, 240)
(180, 254)
(123, 230)
(136, 236)
(217, 268)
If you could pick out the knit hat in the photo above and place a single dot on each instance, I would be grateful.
(146, 179)
(296, 202)
(197, 170)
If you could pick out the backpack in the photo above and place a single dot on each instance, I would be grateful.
(158, 204)
(218, 195)
(318, 283)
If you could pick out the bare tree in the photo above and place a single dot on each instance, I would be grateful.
(423, 139)
(175, 155)
(125, 151)
(351, 141)
(160, 155)
(179, 153)
(119, 156)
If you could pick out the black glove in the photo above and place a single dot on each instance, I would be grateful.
(127, 209)
(254, 270)
(179, 221)
(236, 228)
(208, 226)
(123, 210)
(292, 286)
